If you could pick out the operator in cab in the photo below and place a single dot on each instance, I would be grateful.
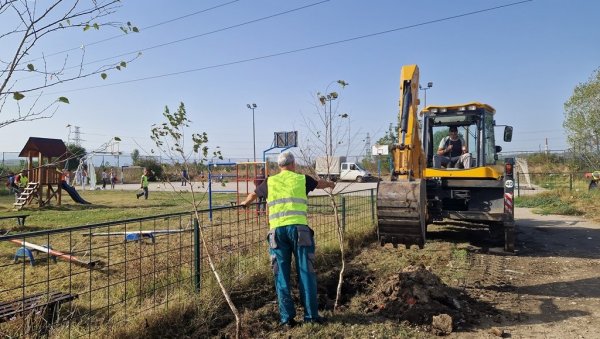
(452, 151)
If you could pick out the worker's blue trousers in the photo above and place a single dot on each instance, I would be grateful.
(299, 240)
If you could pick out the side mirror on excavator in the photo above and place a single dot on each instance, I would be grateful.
(508, 130)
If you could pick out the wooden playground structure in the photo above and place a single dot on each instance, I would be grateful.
(45, 175)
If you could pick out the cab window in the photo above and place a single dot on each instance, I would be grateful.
(490, 142)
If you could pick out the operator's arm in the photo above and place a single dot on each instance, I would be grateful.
(442, 149)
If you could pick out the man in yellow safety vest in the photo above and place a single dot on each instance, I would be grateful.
(289, 233)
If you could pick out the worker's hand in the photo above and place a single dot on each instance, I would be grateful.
(449, 149)
(244, 204)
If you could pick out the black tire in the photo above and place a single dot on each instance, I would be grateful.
(593, 185)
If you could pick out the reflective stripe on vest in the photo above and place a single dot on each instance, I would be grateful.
(287, 199)
(284, 200)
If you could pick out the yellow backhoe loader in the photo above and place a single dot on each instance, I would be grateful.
(431, 182)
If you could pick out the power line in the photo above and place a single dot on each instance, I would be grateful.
(143, 28)
(137, 51)
(208, 33)
(268, 56)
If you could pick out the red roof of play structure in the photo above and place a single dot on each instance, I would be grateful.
(47, 147)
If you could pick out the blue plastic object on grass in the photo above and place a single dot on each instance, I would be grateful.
(139, 237)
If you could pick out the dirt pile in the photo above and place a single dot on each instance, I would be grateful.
(417, 295)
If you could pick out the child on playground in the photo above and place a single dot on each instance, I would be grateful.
(113, 179)
(23, 180)
(143, 185)
(104, 179)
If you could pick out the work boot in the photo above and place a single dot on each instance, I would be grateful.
(290, 324)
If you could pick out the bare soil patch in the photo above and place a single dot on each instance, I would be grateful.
(461, 285)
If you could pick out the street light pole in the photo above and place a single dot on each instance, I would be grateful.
(324, 99)
(424, 89)
(253, 107)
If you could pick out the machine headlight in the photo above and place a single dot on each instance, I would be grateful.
(443, 110)
(471, 108)
(461, 108)
(434, 110)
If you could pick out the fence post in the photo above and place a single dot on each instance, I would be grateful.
(570, 182)
(518, 185)
(197, 256)
(344, 213)
(372, 206)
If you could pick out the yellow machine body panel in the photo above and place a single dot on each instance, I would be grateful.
(488, 172)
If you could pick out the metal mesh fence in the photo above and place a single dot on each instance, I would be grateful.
(89, 280)
(528, 182)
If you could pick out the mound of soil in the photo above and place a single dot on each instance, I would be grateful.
(417, 295)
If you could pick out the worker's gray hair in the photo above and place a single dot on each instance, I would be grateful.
(285, 159)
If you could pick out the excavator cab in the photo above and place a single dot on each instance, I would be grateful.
(475, 124)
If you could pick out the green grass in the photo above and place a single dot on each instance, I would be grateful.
(105, 206)
(552, 202)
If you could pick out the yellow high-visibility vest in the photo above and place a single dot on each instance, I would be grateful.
(287, 200)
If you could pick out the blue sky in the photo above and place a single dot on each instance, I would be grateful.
(524, 60)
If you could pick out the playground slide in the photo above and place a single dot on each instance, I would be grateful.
(73, 193)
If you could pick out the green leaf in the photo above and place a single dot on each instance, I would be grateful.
(117, 139)
(87, 26)
(68, 22)
(96, 26)
(118, 68)
(63, 100)
(30, 67)
(18, 96)
(135, 29)
(103, 76)
(123, 64)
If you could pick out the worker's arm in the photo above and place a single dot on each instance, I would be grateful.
(325, 184)
(249, 199)
(464, 146)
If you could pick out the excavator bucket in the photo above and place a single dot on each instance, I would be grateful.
(401, 212)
